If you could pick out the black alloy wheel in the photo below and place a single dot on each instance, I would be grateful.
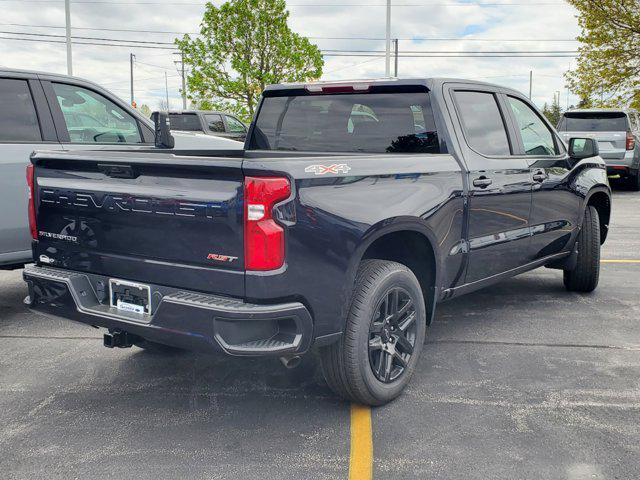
(392, 335)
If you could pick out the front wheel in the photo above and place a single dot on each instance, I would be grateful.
(584, 278)
(386, 326)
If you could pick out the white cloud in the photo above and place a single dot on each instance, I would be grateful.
(110, 65)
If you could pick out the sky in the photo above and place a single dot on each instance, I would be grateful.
(421, 25)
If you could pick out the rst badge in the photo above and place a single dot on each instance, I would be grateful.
(216, 257)
(324, 169)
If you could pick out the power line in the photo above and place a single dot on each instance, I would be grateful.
(133, 30)
(132, 41)
(86, 38)
(86, 43)
(362, 53)
(417, 39)
(401, 55)
(454, 51)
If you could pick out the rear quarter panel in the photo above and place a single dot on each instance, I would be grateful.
(335, 216)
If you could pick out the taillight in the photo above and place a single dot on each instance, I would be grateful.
(631, 142)
(32, 202)
(263, 237)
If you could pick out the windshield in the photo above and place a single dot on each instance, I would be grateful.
(185, 121)
(363, 122)
(594, 122)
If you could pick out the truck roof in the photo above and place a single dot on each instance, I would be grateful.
(599, 110)
(429, 83)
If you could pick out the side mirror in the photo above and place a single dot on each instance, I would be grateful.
(164, 139)
(580, 148)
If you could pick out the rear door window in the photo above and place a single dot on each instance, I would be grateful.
(188, 122)
(350, 122)
(595, 122)
(18, 118)
(482, 123)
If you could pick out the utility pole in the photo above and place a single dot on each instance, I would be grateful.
(530, 83)
(131, 58)
(184, 83)
(387, 65)
(166, 89)
(67, 14)
(395, 42)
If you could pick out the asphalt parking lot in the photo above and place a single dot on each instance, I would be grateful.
(519, 381)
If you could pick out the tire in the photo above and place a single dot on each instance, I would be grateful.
(584, 278)
(353, 366)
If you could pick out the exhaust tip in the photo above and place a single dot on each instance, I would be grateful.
(291, 362)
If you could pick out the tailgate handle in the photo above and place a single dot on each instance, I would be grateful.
(117, 171)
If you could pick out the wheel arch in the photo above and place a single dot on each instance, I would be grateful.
(405, 241)
(600, 199)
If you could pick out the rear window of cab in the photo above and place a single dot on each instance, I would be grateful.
(347, 122)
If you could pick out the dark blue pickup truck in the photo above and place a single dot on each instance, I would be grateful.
(352, 211)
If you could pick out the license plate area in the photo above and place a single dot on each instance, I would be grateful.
(130, 296)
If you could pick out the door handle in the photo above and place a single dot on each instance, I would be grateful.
(540, 176)
(482, 182)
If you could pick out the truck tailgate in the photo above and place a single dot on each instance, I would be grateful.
(612, 145)
(175, 221)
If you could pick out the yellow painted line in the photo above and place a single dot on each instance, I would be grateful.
(619, 261)
(361, 455)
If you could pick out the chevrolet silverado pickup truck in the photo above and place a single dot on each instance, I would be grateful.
(352, 211)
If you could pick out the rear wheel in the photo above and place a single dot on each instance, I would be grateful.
(385, 330)
(584, 278)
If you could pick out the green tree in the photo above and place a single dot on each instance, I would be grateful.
(553, 112)
(608, 71)
(243, 46)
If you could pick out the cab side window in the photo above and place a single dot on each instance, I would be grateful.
(536, 136)
(235, 126)
(214, 122)
(92, 118)
(18, 118)
(482, 123)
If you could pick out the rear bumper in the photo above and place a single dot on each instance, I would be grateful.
(614, 161)
(180, 318)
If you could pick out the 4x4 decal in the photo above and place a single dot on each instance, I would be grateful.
(324, 169)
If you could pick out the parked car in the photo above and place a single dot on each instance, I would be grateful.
(219, 124)
(617, 133)
(58, 112)
(327, 232)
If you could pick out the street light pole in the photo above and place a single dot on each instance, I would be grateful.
(67, 14)
(395, 44)
(131, 58)
(387, 66)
